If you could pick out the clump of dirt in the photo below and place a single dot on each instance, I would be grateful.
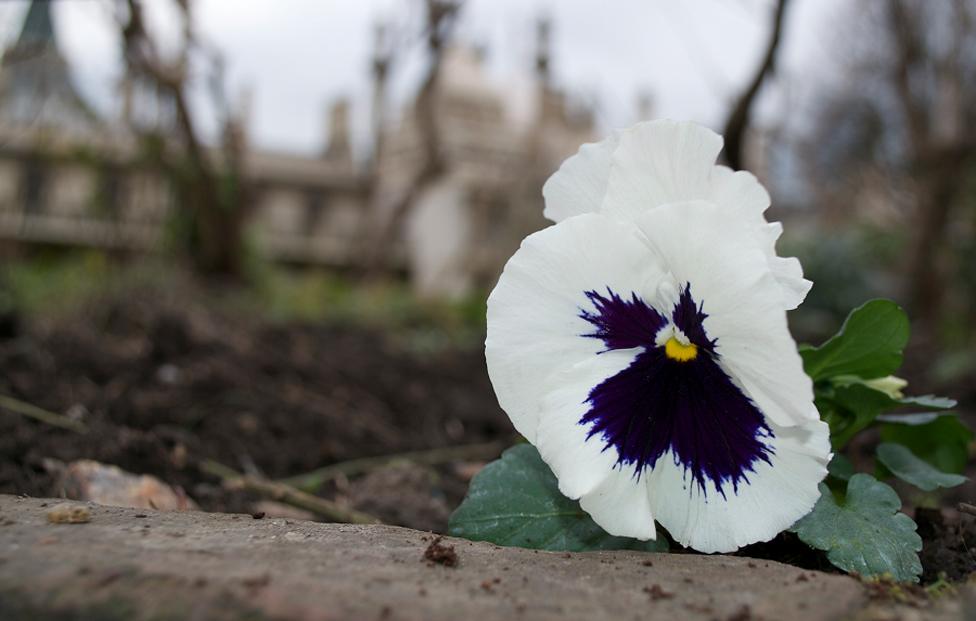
(440, 553)
(744, 613)
(656, 592)
(163, 386)
(489, 585)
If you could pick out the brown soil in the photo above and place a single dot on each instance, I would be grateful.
(163, 388)
(949, 544)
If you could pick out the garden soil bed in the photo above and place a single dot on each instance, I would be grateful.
(162, 387)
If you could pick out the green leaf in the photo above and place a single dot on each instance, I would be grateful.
(515, 501)
(904, 465)
(869, 344)
(866, 533)
(850, 409)
(917, 418)
(943, 442)
(929, 401)
(840, 467)
(920, 418)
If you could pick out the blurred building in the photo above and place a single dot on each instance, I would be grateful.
(501, 142)
(69, 176)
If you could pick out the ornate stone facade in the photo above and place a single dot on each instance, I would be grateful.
(68, 176)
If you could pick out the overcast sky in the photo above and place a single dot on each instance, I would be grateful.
(295, 56)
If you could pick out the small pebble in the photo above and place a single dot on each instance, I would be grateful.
(66, 513)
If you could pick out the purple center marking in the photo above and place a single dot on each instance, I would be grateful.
(691, 408)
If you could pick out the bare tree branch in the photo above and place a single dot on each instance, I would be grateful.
(908, 54)
(286, 494)
(441, 18)
(313, 481)
(936, 159)
(216, 244)
(739, 118)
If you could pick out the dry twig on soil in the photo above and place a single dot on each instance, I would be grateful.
(314, 480)
(289, 495)
(50, 418)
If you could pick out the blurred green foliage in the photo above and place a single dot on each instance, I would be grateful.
(57, 283)
(846, 267)
(54, 282)
(323, 295)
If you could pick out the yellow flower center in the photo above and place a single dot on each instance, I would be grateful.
(676, 350)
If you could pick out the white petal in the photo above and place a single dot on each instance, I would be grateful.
(774, 498)
(793, 286)
(579, 184)
(534, 327)
(715, 252)
(620, 505)
(771, 235)
(580, 463)
(660, 162)
(741, 191)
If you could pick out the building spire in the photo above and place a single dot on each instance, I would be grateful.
(543, 52)
(35, 83)
(38, 28)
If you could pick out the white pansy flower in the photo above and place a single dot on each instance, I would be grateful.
(641, 345)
